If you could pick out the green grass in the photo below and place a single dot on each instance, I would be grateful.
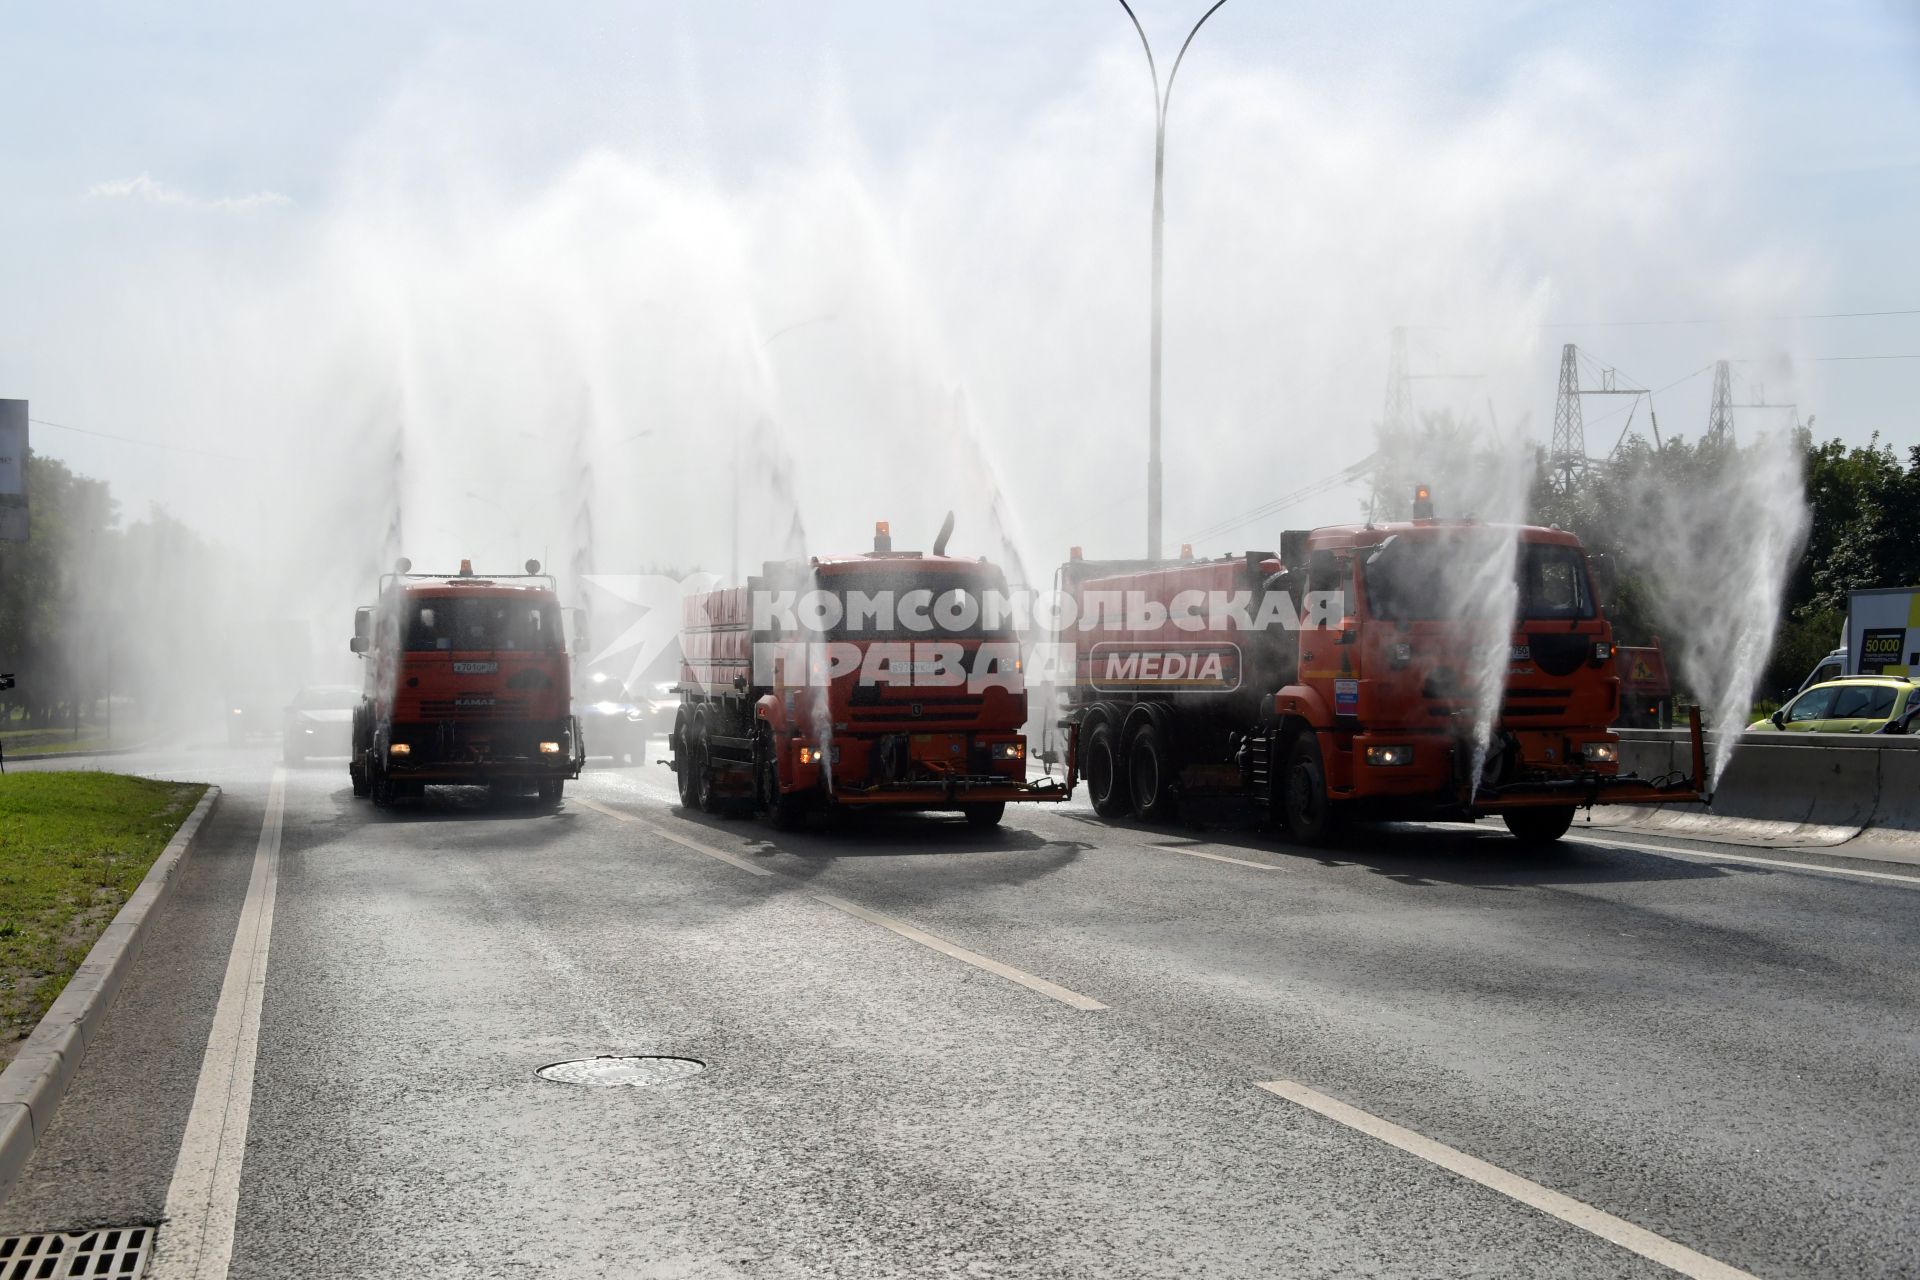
(21, 744)
(73, 847)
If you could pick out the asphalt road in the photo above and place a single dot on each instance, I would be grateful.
(1720, 1053)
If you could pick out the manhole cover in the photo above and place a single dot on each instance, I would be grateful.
(115, 1251)
(607, 1071)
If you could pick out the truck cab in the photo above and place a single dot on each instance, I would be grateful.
(1424, 669)
(467, 681)
(878, 680)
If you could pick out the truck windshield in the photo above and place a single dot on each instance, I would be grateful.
(1420, 578)
(473, 623)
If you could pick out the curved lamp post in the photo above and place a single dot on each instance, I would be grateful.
(1160, 100)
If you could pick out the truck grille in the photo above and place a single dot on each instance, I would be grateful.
(473, 707)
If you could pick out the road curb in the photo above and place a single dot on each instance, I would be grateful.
(35, 1081)
(31, 756)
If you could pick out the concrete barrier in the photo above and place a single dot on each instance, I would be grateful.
(1790, 790)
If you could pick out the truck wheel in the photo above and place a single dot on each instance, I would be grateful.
(1102, 754)
(703, 797)
(552, 790)
(985, 815)
(1150, 775)
(357, 774)
(783, 811)
(1539, 827)
(683, 764)
(384, 792)
(1311, 816)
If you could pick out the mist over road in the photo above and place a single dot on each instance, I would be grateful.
(1718, 1054)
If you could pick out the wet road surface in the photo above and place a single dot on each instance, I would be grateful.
(931, 1050)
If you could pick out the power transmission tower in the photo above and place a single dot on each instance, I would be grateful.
(1568, 458)
(1398, 415)
(1396, 419)
(1720, 416)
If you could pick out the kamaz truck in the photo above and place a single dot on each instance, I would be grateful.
(1340, 680)
(883, 680)
(468, 682)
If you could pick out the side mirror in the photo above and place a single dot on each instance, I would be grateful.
(358, 644)
(578, 632)
(1779, 718)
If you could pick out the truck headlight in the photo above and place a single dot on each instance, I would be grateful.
(399, 749)
(1399, 753)
(1601, 753)
(818, 755)
(549, 748)
(1009, 751)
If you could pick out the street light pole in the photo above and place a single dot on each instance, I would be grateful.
(1160, 102)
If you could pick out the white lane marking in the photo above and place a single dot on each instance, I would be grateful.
(665, 834)
(1215, 857)
(196, 1242)
(1735, 857)
(974, 958)
(1656, 1248)
(1032, 983)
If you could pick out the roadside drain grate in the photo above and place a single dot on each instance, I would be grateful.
(608, 1071)
(110, 1251)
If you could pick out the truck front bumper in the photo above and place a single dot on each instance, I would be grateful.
(1540, 776)
(479, 752)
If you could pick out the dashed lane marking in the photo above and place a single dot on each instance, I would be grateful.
(1655, 1248)
(1711, 856)
(1052, 990)
(196, 1243)
(1215, 857)
(665, 834)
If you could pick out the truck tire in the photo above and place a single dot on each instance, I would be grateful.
(552, 790)
(703, 797)
(383, 791)
(784, 811)
(1150, 775)
(357, 774)
(1102, 753)
(1540, 827)
(683, 763)
(985, 815)
(1312, 817)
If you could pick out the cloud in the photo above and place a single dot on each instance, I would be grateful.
(144, 188)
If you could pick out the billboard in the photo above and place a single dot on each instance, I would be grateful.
(1883, 632)
(13, 470)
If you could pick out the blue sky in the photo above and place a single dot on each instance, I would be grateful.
(1736, 161)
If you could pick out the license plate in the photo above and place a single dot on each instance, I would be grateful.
(475, 668)
(1522, 653)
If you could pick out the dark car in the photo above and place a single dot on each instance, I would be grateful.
(319, 722)
(611, 722)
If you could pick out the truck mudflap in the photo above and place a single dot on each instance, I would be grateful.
(1592, 789)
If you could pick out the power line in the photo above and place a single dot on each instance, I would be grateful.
(1915, 356)
(1276, 505)
(1639, 324)
(150, 444)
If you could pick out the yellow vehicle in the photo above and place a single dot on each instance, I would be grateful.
(1851, 704)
